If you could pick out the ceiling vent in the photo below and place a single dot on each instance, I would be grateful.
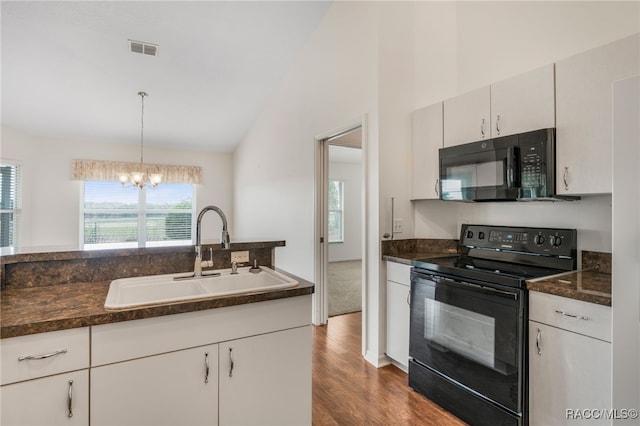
(143, 47)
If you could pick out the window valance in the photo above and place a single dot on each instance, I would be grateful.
(111, 170)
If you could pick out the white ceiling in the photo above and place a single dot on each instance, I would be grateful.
(67, 71)
(344, 154)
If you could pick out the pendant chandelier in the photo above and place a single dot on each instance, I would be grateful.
(137, 178)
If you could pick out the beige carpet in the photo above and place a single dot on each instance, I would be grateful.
(344, 283)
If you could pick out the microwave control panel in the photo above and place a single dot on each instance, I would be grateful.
(532, 164)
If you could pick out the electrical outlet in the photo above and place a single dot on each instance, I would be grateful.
(240, 256)
(397, 226)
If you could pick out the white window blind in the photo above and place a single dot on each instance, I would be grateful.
(336, 211)
(117, 217)
(9, 204)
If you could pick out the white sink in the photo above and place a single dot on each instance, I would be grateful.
(126, 293)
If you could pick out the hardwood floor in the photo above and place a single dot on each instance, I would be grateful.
(347, 390)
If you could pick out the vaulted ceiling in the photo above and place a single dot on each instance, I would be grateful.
(68, 72)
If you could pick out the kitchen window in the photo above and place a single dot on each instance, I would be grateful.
(336, 211)
(9, 204)
(117, 217)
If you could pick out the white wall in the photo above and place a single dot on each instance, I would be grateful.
(501, 39)
(351, 247)
(332, 84)
(51, 200)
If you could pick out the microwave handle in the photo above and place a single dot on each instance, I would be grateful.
(512, 165)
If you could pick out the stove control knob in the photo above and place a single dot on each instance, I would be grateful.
(469, 234)
(481, 235)
(538, 239)
(556, 241)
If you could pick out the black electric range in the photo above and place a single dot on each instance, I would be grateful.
(468, 319)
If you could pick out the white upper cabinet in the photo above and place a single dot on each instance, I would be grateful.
(425, 143)
(518, 104)
(583, 108)
(523, 103)
(467, 117)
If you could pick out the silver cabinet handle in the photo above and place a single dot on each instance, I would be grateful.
(43, 356)
(437, 187)
(498, 124)
(70, 399)
(231, 360)
(206, 367)
(482, 128)
(409, 298)
(538, 339)
(565, 176)
(567, 314)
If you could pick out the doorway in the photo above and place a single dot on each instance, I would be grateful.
(344, 231)
(340, 223)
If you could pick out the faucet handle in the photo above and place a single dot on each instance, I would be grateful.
(255, 268)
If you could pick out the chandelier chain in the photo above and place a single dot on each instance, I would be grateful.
(142, 95)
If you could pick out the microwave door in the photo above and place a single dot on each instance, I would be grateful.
(479, 176)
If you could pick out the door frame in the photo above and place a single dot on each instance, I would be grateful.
(321, 255)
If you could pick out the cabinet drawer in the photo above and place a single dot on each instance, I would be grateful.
(581, 317)
(44, 354)
(399, 273)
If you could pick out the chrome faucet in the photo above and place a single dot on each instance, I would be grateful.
(224, 239)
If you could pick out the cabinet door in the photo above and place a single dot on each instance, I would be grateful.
(523, 103)
(398, 322)
(266, 379)
(567, 371)
(467, 117)
(177, 388)
(583, 115)
(425, 143)
(56, 400)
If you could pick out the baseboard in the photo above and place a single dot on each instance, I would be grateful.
(377, 360)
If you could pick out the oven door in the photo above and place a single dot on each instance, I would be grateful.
(472, 334)
(472, 173)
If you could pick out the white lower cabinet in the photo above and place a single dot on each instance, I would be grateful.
(177, 388)
(62, 399)
(174, 369)
(263, 377)
(569, 371)
(398, 290)
(45, 379)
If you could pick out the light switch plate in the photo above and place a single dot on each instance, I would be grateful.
(397, 226)
(240, 256)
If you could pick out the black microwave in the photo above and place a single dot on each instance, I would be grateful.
(518, 167)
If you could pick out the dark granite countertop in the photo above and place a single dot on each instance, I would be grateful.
(588, 286)
(57, 307)
(42, 254)
(593, 284)
(408, 258)
(405, 251)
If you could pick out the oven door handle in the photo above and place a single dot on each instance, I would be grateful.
(479, 286)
